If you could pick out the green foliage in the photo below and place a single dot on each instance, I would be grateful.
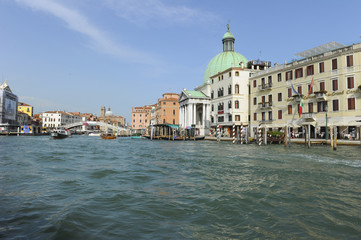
(275, 133)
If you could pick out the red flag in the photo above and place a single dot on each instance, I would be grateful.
(311, 86)
(300, 109)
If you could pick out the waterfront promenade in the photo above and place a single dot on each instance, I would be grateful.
(314, 141)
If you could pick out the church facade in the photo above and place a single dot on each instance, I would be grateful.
(223, 98)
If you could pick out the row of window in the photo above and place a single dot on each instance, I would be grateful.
(321, 107)
(309, 71)
(57, 120)
(350, 83)
(220, 91)
(165, 102)
(220, 106)
(220, 119)
(221, 77)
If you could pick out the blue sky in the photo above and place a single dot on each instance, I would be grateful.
(77, 55)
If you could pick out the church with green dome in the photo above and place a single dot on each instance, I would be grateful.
(222, 99)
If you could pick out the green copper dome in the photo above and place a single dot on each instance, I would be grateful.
(228, 34)
(226, 59)
(222, 62)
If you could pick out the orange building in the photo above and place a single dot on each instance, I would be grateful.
(167, 109)
(141, 117)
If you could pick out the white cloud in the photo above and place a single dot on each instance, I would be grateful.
(79, 23)
(143, 11)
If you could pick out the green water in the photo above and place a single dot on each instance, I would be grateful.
(88, 188)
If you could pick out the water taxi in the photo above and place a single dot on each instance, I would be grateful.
(60, 133)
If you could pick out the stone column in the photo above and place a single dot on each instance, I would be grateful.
(181, 116)
(203, 115)
(194, 114)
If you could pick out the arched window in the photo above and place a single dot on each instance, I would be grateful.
(237, 74)
(230, 89)
(236, 104)
(212, 107)
(236, 89)
(212, 94)
(230, 74)
(229, 104)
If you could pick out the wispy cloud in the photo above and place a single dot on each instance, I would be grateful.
(145, 11)
(78, 22)
(41, 104)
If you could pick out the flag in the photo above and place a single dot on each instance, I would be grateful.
(294, 90)
(300, 109)
(311, 86)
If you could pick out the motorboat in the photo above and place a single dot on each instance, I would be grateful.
(94, 134)
(60, 133)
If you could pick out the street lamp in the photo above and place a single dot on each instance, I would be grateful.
(326, 109)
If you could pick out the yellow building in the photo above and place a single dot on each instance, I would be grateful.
(326, 82)
(25, 108)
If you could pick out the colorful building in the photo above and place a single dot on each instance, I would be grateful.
(141, 118)
(26, 108)
(167, 109)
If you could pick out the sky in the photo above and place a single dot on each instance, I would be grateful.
(79, 55)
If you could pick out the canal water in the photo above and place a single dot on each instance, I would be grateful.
(87, 188)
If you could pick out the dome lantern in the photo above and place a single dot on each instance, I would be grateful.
(228, 41)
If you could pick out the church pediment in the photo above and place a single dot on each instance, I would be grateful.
(183, 97)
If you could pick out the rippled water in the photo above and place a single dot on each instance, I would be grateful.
(88, 188)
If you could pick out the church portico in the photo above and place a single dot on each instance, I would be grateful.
(194, 109)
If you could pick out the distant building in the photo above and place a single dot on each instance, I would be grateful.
(167, 109)
(141, 117)
(55, 119)
(25, 108)
(109, 118)
(8, 109)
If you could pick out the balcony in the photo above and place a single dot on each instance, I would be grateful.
(321, 95)
(264, 105)
(265, 86)
(266, 120)
(308, 117)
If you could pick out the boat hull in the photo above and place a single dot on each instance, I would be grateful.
(58, 136)
(108, 136)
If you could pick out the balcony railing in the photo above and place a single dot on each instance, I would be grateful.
(321, 95)
(267, 120)
(265, 86)
(308, 117)
(264, 105)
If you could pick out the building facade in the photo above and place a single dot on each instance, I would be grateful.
(55, 119)
(167, 109)
(323, 89)
(26, 108)
(223, 98)
(8, 109)
(141, 118)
